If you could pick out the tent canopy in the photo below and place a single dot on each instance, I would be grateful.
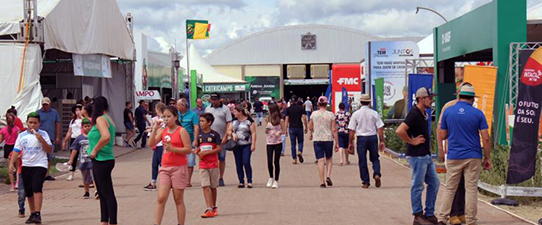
(75, 26)
(210, 75)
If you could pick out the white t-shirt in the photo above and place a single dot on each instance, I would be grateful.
(75, 125)
(155, 120)
(33, 154)
(308, 106)
(365, 122)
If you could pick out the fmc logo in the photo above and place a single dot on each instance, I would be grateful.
(348, 81)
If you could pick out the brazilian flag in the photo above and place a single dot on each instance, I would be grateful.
(197, 29)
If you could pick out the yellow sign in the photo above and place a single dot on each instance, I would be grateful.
(483, 78)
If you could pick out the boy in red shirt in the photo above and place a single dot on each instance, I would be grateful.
(208, 148)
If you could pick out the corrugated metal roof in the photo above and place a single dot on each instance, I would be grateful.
(283, 46)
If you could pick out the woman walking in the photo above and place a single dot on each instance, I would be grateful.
(100, 149)
(74, 131)
(158, 149)
(323, 131)
(243, 131)
(274, 130)
(342, 118)
(174, 170)
(18, 122)
(9, 134)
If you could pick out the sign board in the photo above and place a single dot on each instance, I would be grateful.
(346, 79)
(223, 88)
(268, 86)
(147, 95)
(387, 60)
(91, 65)
(306, 81)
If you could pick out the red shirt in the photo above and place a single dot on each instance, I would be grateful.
(18, 123)
(171, 158)
(208, 142)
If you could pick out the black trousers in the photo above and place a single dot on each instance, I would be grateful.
(458, 205)
(142, 136)
(273, 158)
(104, 184)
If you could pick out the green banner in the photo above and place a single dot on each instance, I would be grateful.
(268, 86)
(191, 26)
(193, 87)
(379, 95)
(223, 88)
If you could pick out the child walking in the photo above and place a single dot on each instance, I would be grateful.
(174, 171)
(274, 130)
(35, 144)
(80, 145)
(208, 148)
(9, 134)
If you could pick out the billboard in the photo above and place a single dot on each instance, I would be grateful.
(267, 86)
(346, 80)
(386, 59)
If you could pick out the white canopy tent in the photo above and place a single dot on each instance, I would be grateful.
(209, 74)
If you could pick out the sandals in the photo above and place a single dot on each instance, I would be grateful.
(241, 185)
(249, 185)
(323, 185)
(329, 182)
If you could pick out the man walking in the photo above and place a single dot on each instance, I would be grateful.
(189, 121)
(296, 118)
(462, 125)
(221, 124)
(258, 110)
(308, 107)
(199, 107)
(50, 123)
(128, 123)
(365, 123)
(141, 123)
(415, 132)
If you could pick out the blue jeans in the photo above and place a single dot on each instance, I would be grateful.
(368, 143)
(309, 115)
(21, 195)
(259, 117)
(296, 134)
(283, 138)
(222, 154)
(242, 161)
(423, 170)
(156, 162)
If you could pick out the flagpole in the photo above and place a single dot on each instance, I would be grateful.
(187, 66)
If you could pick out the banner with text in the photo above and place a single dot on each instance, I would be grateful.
(387, 60)
(379, 96)
(522, 163)
(268, 86)
(483, 78)
(91, 65)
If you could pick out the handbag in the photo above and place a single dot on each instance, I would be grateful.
(231, 145)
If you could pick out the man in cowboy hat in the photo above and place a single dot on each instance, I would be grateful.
(462, 125)
(365, 124)
(414, 130)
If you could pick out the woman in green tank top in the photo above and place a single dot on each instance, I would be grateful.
(101, 139)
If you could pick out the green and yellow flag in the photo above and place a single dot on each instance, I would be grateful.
(197, 29)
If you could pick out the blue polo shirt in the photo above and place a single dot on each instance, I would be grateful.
(48, 120)
(463, 123)
(188, 120)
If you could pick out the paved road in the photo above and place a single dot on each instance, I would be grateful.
(299, 200)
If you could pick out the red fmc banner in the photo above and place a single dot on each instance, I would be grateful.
(346, 76)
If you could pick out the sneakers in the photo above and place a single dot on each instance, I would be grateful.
(301, 160)
(70, 177)
(454, 220)
(12, 188)
(21, 215)
(150, 187)
(215, 210)
(49, 178)
(208, 214)
(270, 182)
(34, 218)
(432, 219)
(221, 182)
(96, 195)
(378, 182)
(419, 219)
(275, 185)
(365, 186)
(86, 195)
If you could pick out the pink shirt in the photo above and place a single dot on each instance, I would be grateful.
(10, 138)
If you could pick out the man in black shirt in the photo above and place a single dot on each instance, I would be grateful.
(141, 123)
(415, 132)
(258, 110)
(128, 123)
(296, 118)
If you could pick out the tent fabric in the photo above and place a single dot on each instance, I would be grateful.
(75, 26)
(29, 98)
(210, 75)
(426, 45)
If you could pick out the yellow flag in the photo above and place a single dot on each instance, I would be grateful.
(200, 31)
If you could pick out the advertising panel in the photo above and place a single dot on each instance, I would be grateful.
(347, 77)
(483, 78)
(267, 86)
(387, 60)
(147, 95)
(91, 65)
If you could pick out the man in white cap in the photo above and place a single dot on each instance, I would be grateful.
(414, 130)
(365, 124)
(462, 125)
(50, 123)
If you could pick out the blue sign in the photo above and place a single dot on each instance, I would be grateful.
(345, 99)
(415, 82)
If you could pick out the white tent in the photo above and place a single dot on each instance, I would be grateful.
(426, 45)
(210, 75)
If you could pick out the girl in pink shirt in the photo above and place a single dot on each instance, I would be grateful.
(9, 134)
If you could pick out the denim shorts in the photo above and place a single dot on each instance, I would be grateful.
(222, 154)
(344, 140)
(191, 159)
(323, 149)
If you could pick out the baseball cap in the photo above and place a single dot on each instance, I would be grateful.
(46, 101)
(424, 92)
(215, 95)
(467, 90)
(322, 99)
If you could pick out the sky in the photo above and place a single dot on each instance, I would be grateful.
(163, 21)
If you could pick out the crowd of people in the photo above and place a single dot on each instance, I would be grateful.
(180, 138)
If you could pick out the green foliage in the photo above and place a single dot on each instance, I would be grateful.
(393, 142)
